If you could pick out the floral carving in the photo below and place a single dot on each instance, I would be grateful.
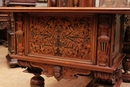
(61, 36)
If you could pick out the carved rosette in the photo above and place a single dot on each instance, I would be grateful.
(104, 39)
(19, 33)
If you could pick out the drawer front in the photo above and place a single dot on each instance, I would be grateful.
(68, 36)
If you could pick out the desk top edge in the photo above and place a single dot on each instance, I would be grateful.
(66, 9)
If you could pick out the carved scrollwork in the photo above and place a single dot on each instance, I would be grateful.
(62, 36)
(60, 72)
(29, 67)
(24, 63)
(71, 73)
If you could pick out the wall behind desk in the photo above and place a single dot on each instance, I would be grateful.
(1, 2)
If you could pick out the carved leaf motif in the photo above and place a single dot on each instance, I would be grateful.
(60, 72)
(61, 36)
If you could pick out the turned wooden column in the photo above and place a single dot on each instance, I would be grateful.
(76, 3)
(37, 81)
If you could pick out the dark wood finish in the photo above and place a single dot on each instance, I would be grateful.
(126, 49)
(61, 43)
(24, 1)
(3, 28)
(97, 83)
(10, 38)
(70, 3)
(42, 1)
(20, 3)
(6, 37)
(37, 81)
(86, 3)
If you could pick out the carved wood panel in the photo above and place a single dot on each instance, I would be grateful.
(68, 36)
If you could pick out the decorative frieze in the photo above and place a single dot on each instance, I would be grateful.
(111, 78)
(60, 72)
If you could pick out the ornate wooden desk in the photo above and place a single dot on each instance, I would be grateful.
(65, 42)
